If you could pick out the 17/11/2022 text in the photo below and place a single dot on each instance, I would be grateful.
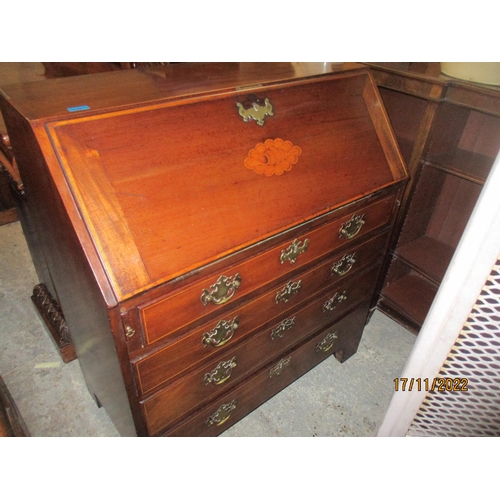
(435, 384)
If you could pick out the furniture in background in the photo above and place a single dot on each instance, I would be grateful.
(211, 231)
(8, 211)
(11, 420)
(449, 134)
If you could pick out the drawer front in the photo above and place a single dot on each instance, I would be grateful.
(179, 310)
(224, 331)
(228, 369)
(343, 337)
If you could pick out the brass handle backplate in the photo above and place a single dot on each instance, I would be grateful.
(292, 252)
(221, 334)
(285, 294)
(222, 290)
(255, 109)
(327, 343)
(279, 331)
(352, 227)
(221, 414)
(220, 373)
(344, 265)
(334, 301)
(279, 367)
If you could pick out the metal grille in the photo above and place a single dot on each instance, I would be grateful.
(476, 358)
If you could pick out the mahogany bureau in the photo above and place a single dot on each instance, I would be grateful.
(210, 231)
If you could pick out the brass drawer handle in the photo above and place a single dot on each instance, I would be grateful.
(344, 265)
(279, 331)
(221, 334)
(221, 414)
(129, 331)
(220, 373)
(292, 252)
(255, 109)
(333, 302)
(352, 227)
(222, 290)
(279, 367)
(327, 343)
(285, 294)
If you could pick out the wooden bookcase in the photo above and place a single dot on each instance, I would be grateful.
(449, 135)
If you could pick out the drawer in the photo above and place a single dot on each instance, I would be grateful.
(178, 311)
(221, 333)
(219, 415)
(229, 368)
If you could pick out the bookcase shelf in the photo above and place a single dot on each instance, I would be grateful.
(427, 256)
(449, 136)
(408, 300)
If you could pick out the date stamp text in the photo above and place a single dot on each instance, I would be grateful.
(435, 384)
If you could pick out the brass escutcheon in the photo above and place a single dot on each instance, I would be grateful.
(221, 414)
(255, 109)
(327, 343)
(221, 334)
(279, 367)
(291, 288)
(279, 331)
(333, 302)
(344, 265)
(222, 290)
(292, 252)
(352, 227)
(220, 373)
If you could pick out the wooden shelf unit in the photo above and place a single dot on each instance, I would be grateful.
(449, 135)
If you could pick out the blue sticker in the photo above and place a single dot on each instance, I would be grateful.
(78, 108)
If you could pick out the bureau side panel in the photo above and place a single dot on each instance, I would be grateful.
(81, 298)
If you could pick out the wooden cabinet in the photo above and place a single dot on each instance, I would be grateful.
(210, 231)
(8, 211)
(449, 132)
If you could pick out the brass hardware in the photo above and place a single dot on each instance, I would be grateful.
(279, 367)
(291, 288)
(222, 290)
(221, 334)
(293, 251)
(344, 265)
(352, 227)
(279, 331)
(220, 373)
(221, 414)
(129, 331)
(327, 343)
(255, 109)
(332, 303)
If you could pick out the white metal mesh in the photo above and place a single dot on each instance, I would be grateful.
(476, 358)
